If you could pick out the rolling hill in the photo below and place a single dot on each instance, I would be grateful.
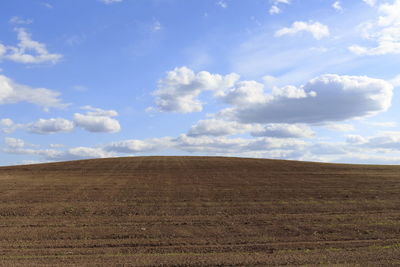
(199, 211)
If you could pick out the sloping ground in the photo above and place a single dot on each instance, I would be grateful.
(199, 211)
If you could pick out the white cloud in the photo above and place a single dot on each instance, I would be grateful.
(216, 127)
(340, 127)
(370, 2)
(285, 131)
(3, 50)
(222, 3)
(385, 31)
(19, 146)
(20, 53)
(156, 26)
(79, 153)
(179, 90)
(50, 126)
(11, 92)
(325, 148)
(326, 98)
(395, 81)
(259, 147)
(97, 120)
(386, 124)
(6, 122)
(92, 111)
(274, 10)
(269, 80)
(211, 144)
(337, 6)
(139, 146)
(97, 123)
(14, 142)
(355, 139)
(244, 92)
(110, 1)
(18, 20)
(56, 145)
(47, 5)
(80, 88)
(7, 126)
(317, 29)
(389, 141)
(225, 146)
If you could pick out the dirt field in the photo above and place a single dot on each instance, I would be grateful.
(199, 211)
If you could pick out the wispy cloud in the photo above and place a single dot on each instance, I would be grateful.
(18, 20)
(275, 7)
(110, 1)
(222, 3)
(370, 2)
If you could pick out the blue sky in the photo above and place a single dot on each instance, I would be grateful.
(313, 80)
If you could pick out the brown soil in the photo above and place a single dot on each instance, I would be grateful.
(199, 211)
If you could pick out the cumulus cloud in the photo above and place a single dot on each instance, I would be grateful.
(50, 126)
(179, 90)
(29, 51)
(326, 98)
(217, 127)
(97, 120)
(244, 92)
(11, 92)
(385, 31)
(285, 131)
(317, 30)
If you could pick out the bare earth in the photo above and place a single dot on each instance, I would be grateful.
(199, 211)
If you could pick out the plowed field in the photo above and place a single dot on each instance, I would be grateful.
(199, 211)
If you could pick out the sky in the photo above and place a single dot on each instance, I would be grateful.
(313, 80)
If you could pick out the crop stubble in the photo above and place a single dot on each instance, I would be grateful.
(198, 211)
